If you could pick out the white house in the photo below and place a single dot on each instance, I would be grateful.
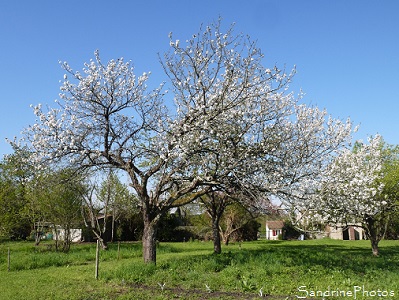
(274, 229)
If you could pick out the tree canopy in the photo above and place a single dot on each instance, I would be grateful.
(235, 128)
(360, 188)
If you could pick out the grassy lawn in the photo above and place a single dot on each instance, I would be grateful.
(313, 269)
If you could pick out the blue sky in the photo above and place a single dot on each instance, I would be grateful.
(346, 52)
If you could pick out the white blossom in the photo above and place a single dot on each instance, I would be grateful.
(236, 126)
(350, 186)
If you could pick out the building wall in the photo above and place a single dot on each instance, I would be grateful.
(75, 235)
(272, 234)
(349, 233)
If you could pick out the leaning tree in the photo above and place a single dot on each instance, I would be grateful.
(232, 125)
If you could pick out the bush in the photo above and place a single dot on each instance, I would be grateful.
(290, 232)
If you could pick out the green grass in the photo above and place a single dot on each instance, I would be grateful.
(278, 269)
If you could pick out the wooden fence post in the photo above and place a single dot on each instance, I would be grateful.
(9, 260)
(119, 249)
(97, 258)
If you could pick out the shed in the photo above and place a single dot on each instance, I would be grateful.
(274, 229)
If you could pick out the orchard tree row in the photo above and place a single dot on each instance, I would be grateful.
(223, 127)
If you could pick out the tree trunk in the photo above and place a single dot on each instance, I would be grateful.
(374, 246)
(103, 244)
(66, 245)
(374, 228)
(149, 240)
(56, 237)
(112, 225)
(227, 240)
(217, 247)
(225, 236)
(38, 234)
(101, 240)
(38, 237)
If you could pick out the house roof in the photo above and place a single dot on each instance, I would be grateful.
(275, 224)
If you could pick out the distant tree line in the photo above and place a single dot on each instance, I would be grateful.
(34, 204)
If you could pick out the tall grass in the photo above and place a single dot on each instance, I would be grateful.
(26, 256)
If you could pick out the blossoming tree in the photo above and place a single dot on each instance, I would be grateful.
(352, 191)
(235, 127)
(254, 139)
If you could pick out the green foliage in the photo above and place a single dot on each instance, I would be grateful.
(172, 228)
(236, 224)
(289, 231)
(56, 197)
(391, 190)
(14, 177)
(387, 220)
(111, 212)
(391, 173)
(116, 197)
(13, 222)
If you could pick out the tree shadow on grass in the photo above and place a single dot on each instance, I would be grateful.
(330, 256)
(278, 259)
